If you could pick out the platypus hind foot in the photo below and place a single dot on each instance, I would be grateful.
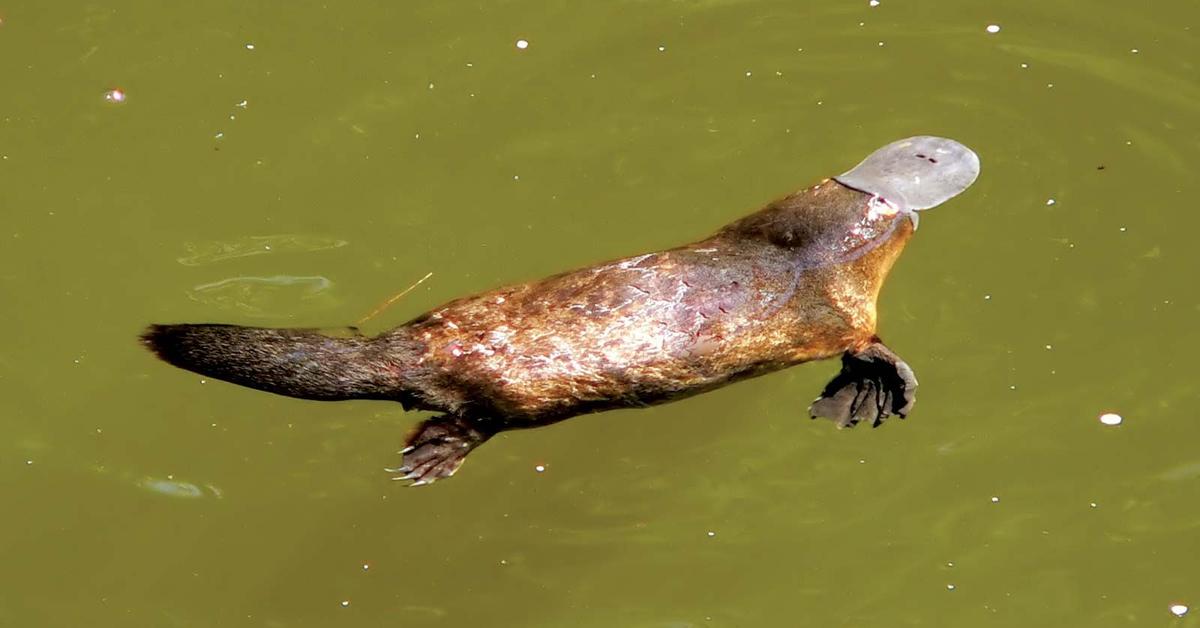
(873, 385)
(436, 449)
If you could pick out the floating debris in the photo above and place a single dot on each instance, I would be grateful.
(540, 468)
(383, 306)
(115, 96)
(993, 28)
(1179, 610)
(1111, 418)
(522, 44)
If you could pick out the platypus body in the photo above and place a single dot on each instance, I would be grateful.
(794, 282)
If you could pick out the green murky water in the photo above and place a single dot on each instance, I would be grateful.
(297, 164)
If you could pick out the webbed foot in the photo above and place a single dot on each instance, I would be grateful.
(873, 385)
(436, 449)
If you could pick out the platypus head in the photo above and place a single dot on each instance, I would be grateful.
(915, 173)
(843, 219)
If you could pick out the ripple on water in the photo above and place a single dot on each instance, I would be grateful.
(201, 253)
(275, 296)
(175, 488)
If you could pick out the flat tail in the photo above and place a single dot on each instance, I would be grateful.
(302, 363)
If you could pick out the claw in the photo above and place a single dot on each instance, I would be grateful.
(406, 450)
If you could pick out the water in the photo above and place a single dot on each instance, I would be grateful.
(374, 144)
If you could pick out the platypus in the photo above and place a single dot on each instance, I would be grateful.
(793, 282)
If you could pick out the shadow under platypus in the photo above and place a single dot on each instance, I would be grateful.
(794, 282)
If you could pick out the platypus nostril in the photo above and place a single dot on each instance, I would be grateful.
(915, 173)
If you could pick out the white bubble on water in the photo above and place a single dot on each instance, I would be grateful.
(522, 44)
(993, 28)
(115, 96)
(1179, 610)
(540, 468)
(1111, 418)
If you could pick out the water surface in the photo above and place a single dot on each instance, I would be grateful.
(369, 144)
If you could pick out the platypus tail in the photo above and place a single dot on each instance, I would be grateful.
(294, 362)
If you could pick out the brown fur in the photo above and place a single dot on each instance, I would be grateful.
(655, 327)
(793, 282)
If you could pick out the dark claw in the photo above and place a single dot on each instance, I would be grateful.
(436, 449)
(873, 385)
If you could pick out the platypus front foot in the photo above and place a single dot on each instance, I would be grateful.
(436, 449)
(873, 385)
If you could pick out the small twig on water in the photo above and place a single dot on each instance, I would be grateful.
(386, 304)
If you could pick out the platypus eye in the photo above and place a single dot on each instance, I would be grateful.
(879, 207)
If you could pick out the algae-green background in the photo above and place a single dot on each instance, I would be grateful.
(380, 141)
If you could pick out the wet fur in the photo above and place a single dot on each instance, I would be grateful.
(794, 282)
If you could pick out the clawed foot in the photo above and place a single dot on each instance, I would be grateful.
(873, 385)
(436, 449)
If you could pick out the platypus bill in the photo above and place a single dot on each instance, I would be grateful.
(795, 281)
